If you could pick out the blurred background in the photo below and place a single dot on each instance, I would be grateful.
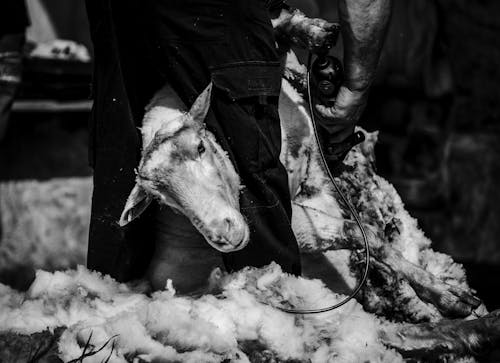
(436, 103)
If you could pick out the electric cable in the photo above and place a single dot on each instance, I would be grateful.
(349, 205)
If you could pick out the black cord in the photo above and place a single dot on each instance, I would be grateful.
(346, 201)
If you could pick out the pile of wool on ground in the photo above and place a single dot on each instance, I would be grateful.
(239, 324)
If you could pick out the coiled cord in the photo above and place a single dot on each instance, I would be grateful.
(353, 212)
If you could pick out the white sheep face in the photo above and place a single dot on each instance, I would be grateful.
(185, 168)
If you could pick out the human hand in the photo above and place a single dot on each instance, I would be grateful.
(341, 118)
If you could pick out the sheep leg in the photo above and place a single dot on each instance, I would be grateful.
(292, 27)
(431, 340)
(451, 301)
(318, 232)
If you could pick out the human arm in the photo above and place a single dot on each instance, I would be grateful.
(363, 27)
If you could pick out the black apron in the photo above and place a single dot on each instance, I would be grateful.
(138, 46)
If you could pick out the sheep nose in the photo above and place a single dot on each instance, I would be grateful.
(228, 223)
(223, 226)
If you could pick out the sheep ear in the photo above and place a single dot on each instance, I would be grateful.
(137, 202)
(200, 107)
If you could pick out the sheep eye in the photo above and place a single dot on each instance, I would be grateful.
(201, 148)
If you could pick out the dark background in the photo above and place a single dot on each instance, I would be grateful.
(435, 103)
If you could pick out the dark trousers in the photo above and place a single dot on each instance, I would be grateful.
(251, 131)
(137, 48)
